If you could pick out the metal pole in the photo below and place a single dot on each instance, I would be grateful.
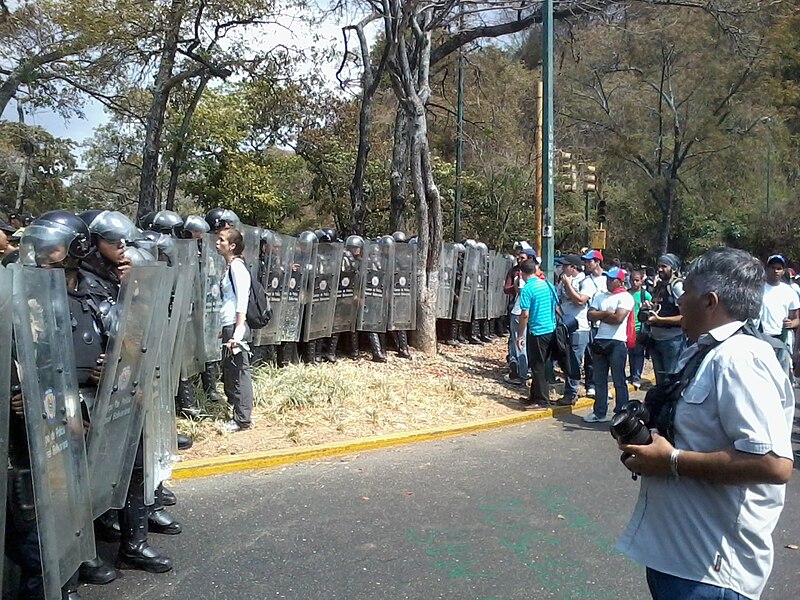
(538, 151)
(548, 209)
(459, 148)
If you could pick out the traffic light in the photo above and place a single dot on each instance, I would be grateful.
(590, 179)
(601, 211)
(567, 172)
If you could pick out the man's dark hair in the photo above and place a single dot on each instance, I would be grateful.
(528, 267)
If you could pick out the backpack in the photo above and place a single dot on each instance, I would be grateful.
(259, 310)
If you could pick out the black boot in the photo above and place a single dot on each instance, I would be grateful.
(473, 333)
(483, 331)
(462, 332)
(69, 591)
(161, 521)
(376, 347)
(185, 400)
(401, 337)
(96, 572)
(309, 350)
(106, 527)
(353, 349)
(451, 339)
(184, 442)
(134, 551)
(209, 378)
(329, 355)
(165, 496)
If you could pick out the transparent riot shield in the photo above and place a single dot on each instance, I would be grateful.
(345, 312)
(120, 405)
(481, 282)
(492, 285)
(194, 352)
(160, 441)
(501, 300)
(376, 269)
(277, 262)
(447, 267)
(212, 266)
(252, 247)
(403, 294)
(469, 276)
(294, 295)
(6, 279)
(46, 366)
(323, 283)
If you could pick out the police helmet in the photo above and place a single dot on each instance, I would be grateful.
(386, 240)
(148, 241)
(113, 226)
(139, 256)
(194, 224)
(88, 216)
(481, 246)
(168, 223)
(308, 237)
(470, 243)
(331, 233)
(413, 240)
(354, 241)
(399, 236)
(53, 237)
(460, 248)
(326, 235)
(217, 218)
(146, 219)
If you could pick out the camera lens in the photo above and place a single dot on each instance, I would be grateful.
(628, 429)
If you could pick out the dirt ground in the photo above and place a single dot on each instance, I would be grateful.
(307, 405)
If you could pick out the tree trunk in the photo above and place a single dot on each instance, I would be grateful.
(665, 194)
(398, 179)
(179, 144)
(148, 187)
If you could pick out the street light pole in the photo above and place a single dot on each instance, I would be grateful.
(548, 200)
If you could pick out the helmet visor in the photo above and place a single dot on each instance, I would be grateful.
(45, 244)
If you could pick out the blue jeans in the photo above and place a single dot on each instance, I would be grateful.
(514, 354)
(613, 354)
(669, 587)
(636, 362)
(665, 354)
(578, 341)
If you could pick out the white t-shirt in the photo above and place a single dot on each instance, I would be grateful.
(585, 286)
(778, 301)
(519, 283)
(234, 301)
(611, 302)
(719, 534)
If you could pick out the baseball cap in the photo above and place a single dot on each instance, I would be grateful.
(616, 273)
(570, 259)
(529, 252)
(777, 258)
(6, 227)
(593, 255)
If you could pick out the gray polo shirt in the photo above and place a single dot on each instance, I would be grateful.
(719, 534)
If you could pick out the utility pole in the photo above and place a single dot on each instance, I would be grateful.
(548, 201)
(459, 143)
(537, 226)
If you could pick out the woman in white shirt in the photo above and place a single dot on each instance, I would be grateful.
(236, 371)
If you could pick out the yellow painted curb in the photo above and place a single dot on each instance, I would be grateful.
(192, 469)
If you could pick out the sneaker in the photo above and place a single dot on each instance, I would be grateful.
(590, 393)
(593, 418)
(512, 380)
(231, 426)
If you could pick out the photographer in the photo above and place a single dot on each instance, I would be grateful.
(710, 499)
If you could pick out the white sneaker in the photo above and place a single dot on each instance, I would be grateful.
(231, 426)
(593, 418)
(590, 393)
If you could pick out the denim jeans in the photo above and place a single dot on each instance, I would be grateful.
(578, 340)
(613, 354)
(665, 354)
(516, 355)
(636, 362)
(669, 587)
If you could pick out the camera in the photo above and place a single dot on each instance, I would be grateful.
(630, 426)
(646, 313)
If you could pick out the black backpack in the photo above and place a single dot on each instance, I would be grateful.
(259, 310)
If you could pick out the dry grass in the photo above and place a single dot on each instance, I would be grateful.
(302, 405)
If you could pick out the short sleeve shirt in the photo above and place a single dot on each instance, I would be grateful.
(612, 302)
(539, 299)
(582, 285)
(778, 301)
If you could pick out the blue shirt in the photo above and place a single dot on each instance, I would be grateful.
(538, 298)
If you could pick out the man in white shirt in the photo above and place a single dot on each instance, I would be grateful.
(711, 497)
(610, 310)
(778, 316)
(595, 283)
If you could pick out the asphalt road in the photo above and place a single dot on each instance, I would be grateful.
(528, 511)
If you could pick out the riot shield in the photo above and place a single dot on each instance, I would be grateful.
(447, 267)
(323, 283)
(492, 285)
(194, 351)
(376, 268)
(252, 247)
(119, 407)
(54, 424)
(277, 263)
(212, 266)
(345, 312)
(6, 280)
(469, 275)
(160, 441)
(501, 301)
(294, 295)
(403, 295)
(481, 281)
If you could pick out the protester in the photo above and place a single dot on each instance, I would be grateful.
(779, 309)
(636, 354)
(664, 318)
(575, 290)
(593, 268)
(612, 311)
(236, 371)
(711, 496)
(517, 359)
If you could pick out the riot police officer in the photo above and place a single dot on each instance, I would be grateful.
(221, 218)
